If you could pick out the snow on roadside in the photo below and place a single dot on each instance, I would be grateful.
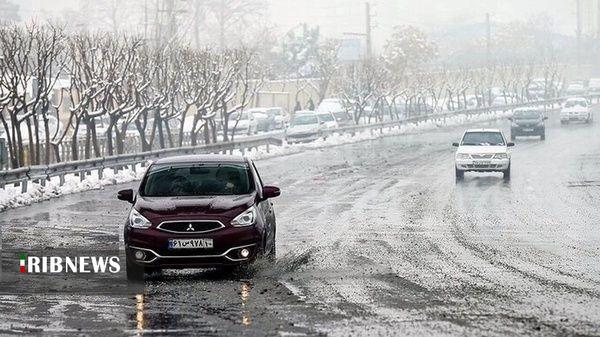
(11, 196)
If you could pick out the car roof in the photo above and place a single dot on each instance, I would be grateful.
(531, 108)
(305, 112)
(202, 158)
(482, 130)
(577, 99)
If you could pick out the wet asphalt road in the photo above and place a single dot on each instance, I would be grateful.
(374, 239)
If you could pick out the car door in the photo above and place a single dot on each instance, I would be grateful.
(265, 207)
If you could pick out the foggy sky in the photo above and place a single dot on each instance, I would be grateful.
(424, 13)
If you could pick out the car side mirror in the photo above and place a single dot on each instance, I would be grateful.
(545, 117)
(510, 119)
(509, 144)
(126, 195)
(270, 192)
(455, 144)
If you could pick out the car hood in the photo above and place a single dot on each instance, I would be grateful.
(481, 149)
(575, 109)
(157, 209)
(303, 128)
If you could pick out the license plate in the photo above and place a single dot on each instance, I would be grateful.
(190, 243)
(480, 162)
(528, 130)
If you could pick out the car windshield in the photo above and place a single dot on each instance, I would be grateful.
(483, 138)
(305, 120)
(242, 116)
(526, 114)
(330, 106)
(326, 117)
(572, 104)
(196, 180)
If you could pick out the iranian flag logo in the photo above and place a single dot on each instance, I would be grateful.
(22, 258)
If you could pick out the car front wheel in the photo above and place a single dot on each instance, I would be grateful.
(506, 173)
(460, 174)
(134, 272)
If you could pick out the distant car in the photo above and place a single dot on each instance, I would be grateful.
(482, 150)
(576, 89)
(576, 109)
(337, 108)
(594, 86)
(277, 117)
(528, 122)
(305, 126)
(243, 123)
(327, 120)
(198, 211)
(505, 99)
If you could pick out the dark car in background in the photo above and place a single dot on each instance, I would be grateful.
(528, 122)
(196, 212)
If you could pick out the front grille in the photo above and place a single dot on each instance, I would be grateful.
(482, 156)
(189, 227)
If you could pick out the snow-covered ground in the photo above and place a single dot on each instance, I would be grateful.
(11, 196)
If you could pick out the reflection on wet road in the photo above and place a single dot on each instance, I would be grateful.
(374, 238)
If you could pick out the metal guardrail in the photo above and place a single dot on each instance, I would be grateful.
(42, 173)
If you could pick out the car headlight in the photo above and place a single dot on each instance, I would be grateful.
(500, 156)
(463, 156)
(246, 218)
(136, 220)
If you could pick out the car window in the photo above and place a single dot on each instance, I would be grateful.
(196, 180)
(483, 138)
(305, 120)
(326, 117)
(572, 104)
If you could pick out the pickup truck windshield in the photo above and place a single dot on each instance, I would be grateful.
(483, 139)
(196, 180)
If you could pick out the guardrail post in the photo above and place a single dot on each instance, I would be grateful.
(61, 179)
(268, 148)
(100, 172)
(23, 186)
(133, 167)
(82, 176)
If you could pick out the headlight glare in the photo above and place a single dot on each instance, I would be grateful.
(500, 156)
(136, 220)
(463, 156)
(246, 218)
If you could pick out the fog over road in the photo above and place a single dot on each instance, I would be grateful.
(374, 238)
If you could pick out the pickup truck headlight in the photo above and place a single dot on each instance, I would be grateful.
(463, 156)
(500, 156)
(246, 218)
(136, 220)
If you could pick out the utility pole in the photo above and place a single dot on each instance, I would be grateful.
(488, 34)
(368, 30)
(579, 28)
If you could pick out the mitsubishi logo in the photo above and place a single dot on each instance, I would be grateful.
(190, 228)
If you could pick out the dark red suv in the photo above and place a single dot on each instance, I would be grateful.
(198, 211)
